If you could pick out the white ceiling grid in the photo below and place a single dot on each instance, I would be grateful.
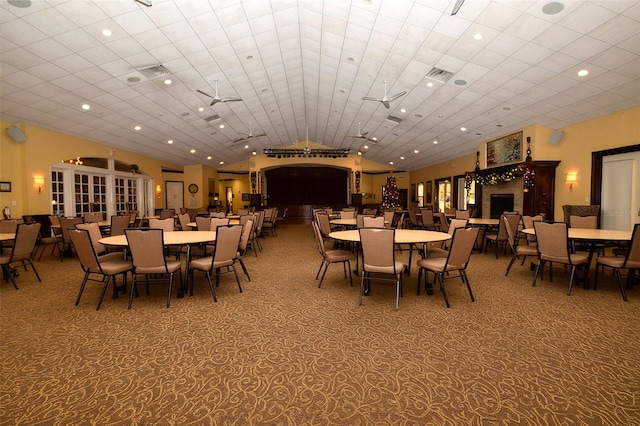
(304, 65)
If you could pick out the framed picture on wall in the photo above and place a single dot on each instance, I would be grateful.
(5, 186)
(245, 197)
(427, 190)
(507, 149)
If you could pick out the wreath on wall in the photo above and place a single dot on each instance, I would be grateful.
(501, 175)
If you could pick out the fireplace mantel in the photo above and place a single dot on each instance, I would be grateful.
(538, 199)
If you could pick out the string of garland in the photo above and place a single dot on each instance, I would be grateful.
(503, 175)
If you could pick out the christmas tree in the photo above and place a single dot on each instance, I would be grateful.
(390, 195)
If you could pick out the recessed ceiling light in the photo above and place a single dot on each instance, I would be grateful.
(429, 84)
(583, 73)
(359, 152)
(391, 162)
(477, 36)
(463, 129)
(402, 158)
(374, 138)
(415, 151)
(193, 151)
(552, 8)
(170, 141)
(254, 153)
(435, 142)
(246, 146)
(86, 107)
(208, 157)
(222, 162)
(168, 81)
(366, 147)
(106, 32)
(221, 126)
(137, 127)
(200, 109)
(460, 82)
(403, 110)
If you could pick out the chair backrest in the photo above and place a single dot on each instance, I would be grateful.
(373, 222)
(462, 244)
(444, 223)
(360, 220)
(93, 230)
(218, 221)
(328, 210)
(146, 246)
(165, 214)
(245, 218)
(259, 221)
(552, 240)
(348, 214)
(85, 248)
(267, 214)
(243, 212)
(119, 224)
(184, 220)
(463, 214)
(203, 223)
(378, 254)
(388, 218)
(586, 222)
(324, 224)
(511, 233)
(413, 218)
(220, 215)
(247, 228)
(92, 217)
(427, 217)
(527, 221)
(449, 211)
(319, 239)
(165, 224)
(9, 225)
(67, 223)
(25, 241)
(633, 255)
(514, 220)
(455, 224)
(400, 222)
(227, 242)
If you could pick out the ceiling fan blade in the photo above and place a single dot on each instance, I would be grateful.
(230, 99)
(206, 94)
(396, 96)
(260, 135)
(386, 104)
(369, 98)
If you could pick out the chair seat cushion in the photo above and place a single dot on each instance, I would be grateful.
(527, 250)
(436, 252)
(398, 268)
(339, 255)
(114, 267)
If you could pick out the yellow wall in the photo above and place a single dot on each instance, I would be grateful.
(574, 152)
(20, 162)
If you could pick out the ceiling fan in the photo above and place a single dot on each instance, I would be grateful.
(249, 135)
(360, 135)
(386, 99)
(217, 98)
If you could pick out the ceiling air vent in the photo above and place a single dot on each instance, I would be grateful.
(156, 71)
(394, 120)
(439, 75)
(212, 118)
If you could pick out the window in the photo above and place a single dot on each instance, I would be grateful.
(126, 195)
(57, 192)
(421, 194)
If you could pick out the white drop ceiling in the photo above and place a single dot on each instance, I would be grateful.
(306, 64)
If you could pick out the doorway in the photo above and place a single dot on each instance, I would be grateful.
(620, 192)
(174, 191)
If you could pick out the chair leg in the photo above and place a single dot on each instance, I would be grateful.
(235, 272)
(319, 269)
(350, 275)
(622, 291)
(465, 279)
(211, 287)
(361, 287)
(398, 289)
(106, 280)
(84, 283)
(326, 266)
(510, 264)
(244, 269)
(538, 267)
(442, 289)
(595, 278)
(419, 276)
(573, 274)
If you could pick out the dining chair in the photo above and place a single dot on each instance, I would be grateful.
(457, 259)
(270, 221)
(585, 222)
(166, 214)
(443, 251)
(378, 258)
(443, 222)
(54, 240)
(497, 239)
(218, 221)
(167, 224)
(21, 253)
(92, 217)
(95, 235)
(258, 230)
(630, 261)
(331, 256)
(67, 223)
(527, 223)
(373, 222)
(118, 224)
(106, 267)
(388, 216)
(203, 223)
(428, 221)
(553, 247)
(146, 247)
(517, 249)
(243, 245)
(243, 212)
(220, 214)
(222, 261)
(413, 220)
(463, 214)
(282, 220)
(348, 214)
(183, 219)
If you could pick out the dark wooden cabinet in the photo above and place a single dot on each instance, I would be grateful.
(540, 198)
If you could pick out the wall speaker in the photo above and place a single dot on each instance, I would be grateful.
(16, 134)
(555, 137)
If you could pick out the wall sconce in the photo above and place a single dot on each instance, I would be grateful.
(572, 177)
(39, 182)
(158, 191)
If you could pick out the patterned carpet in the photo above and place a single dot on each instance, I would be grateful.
(284, 352)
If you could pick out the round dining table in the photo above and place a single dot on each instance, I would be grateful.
(402, 236)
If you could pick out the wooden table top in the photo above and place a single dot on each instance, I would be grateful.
(7, 236)
(170, 238)
(402, 236)
(592, 234)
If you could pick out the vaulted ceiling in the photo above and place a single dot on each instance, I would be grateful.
(303, 67)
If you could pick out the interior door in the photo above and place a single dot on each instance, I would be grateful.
(175, 195)
(620, 196)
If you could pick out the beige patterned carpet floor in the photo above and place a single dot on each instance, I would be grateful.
(284, 352)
